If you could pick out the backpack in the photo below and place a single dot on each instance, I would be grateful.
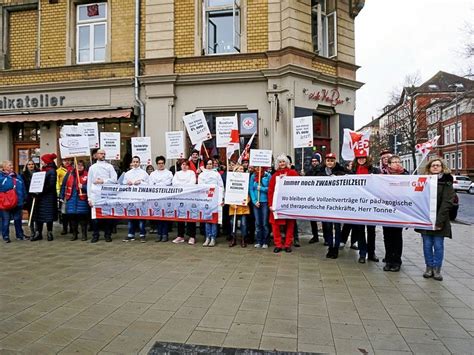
(9, 199)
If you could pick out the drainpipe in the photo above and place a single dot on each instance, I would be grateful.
(38, 38)
(136, 83)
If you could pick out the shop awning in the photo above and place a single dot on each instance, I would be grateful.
(67, 116)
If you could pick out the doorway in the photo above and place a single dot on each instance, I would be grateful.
(22, 152)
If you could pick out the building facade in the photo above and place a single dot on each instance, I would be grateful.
(266, 61)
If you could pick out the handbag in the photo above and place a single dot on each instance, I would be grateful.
(9, 199)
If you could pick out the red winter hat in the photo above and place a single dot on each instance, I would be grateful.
(48, 158)
(360, 153)
(330, 156)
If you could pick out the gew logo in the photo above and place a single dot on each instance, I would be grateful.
(420, 184)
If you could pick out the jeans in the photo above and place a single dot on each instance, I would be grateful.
(332, 237)
(211, 230)
(135, 224)
(262, 229)
(366, 246)
(16, 215)
(433, 250)
(243, 224)
(162, 228)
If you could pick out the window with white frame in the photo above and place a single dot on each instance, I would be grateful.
(459, 131)
(91, 33)
(453, 160)
(452, 133)
(460, 160)
(222, 27)
(446, 136)
(446, 159)
(324, 27)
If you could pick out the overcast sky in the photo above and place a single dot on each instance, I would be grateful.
(395, 38)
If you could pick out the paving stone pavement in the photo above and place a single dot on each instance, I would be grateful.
(75, 297)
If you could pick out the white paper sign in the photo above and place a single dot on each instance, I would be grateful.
(197, 127)
(174, 144)
(141, 147)
(224, 126)
(71, 131)
(110, 142)
(37, 182)
(70, 147)
(260, 157)
(91, 130)
(303, 132)
(237, 189)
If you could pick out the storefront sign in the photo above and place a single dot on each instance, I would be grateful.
(141, 147)
(31, 101)
(71, 147)
(387, 200)
(174, 145)
(197, 127)
(71, 131)
(303, 132)
(110, 142)
(224, 125)
(260, 157)
(331, 97)
(194, 203)
(237, 189)
(91, 130)
(248, 123)
(37, 182)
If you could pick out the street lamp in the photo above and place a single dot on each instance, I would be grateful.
(456, 86)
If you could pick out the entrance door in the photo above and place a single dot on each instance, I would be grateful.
(24, 152)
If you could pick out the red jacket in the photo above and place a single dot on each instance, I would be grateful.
(271, 191)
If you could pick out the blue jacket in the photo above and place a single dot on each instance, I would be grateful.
(6, 184)
(74, 205)
(263, 187)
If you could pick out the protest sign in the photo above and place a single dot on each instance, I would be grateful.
(141, 147)
(174, 144)
(110, 142)
(224, 126)
(355, 141)
(237, 189)
(197, 127)
(37, 182)
(91, 130)
(70, 147)
(71, 131)
(387, 200)
(303, 132)
(191, 203)
(260, 157)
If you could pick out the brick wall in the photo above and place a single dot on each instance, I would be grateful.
(53, 33)
(324, 68)
(122, 29)
(257, 26)
(184, 28)
(22, 39)
(221, 66)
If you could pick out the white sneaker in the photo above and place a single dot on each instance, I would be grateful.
(212, 242)
(206, 243)
(178, 240)
(265, 246)
(192, 241)
(257, 246)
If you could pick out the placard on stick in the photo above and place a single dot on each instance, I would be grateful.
(260, 157)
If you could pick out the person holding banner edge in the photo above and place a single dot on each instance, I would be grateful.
(433, 240)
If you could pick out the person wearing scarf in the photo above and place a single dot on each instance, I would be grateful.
(258, 190)
(384, 164)
(73, 194)
(392, 236)
(46, 210)
(66, 166)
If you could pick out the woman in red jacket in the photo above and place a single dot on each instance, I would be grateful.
(282, 166)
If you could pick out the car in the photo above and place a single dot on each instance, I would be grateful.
(453, 212)
(471, 188)
(461, 183)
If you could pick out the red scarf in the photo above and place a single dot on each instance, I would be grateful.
(70, 183)
(362, 169)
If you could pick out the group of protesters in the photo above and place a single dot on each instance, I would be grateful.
(71, 190)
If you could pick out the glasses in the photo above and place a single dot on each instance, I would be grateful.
(436, 165)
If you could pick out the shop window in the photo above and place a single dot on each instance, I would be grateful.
(91, 33)
(26, 132)
(222, 28)
(324, 27)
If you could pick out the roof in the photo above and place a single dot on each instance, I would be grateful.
(442, 81)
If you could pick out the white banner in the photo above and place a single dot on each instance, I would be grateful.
(141, 147)
(37, 182)
(387, 200)
(174, 145)
(70, 147)
(354, 141)
(192, 203)
(303, 132)
(71, 131)
(91, 130)
(260, 157)
(224, 125)
(110, 142)
(197, 127)
(237, 189)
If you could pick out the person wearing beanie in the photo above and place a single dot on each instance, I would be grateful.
(46, 210)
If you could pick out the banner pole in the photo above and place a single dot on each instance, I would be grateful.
(302, 160)
(77, 175)
(31, 212)
(259, 182)
(205, 149)
(422, 160)
(235, 220)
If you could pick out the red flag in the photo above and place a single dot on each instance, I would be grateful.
(93, 10)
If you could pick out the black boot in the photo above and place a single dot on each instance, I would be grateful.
(335, 253)
(74, 231)
(36, 237)
(50, 236)
(84, 230)
(329, 253)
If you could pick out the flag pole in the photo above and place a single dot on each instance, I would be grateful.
(259, 182)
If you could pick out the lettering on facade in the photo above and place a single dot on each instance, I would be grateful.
(27, 101)
(332, 97)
